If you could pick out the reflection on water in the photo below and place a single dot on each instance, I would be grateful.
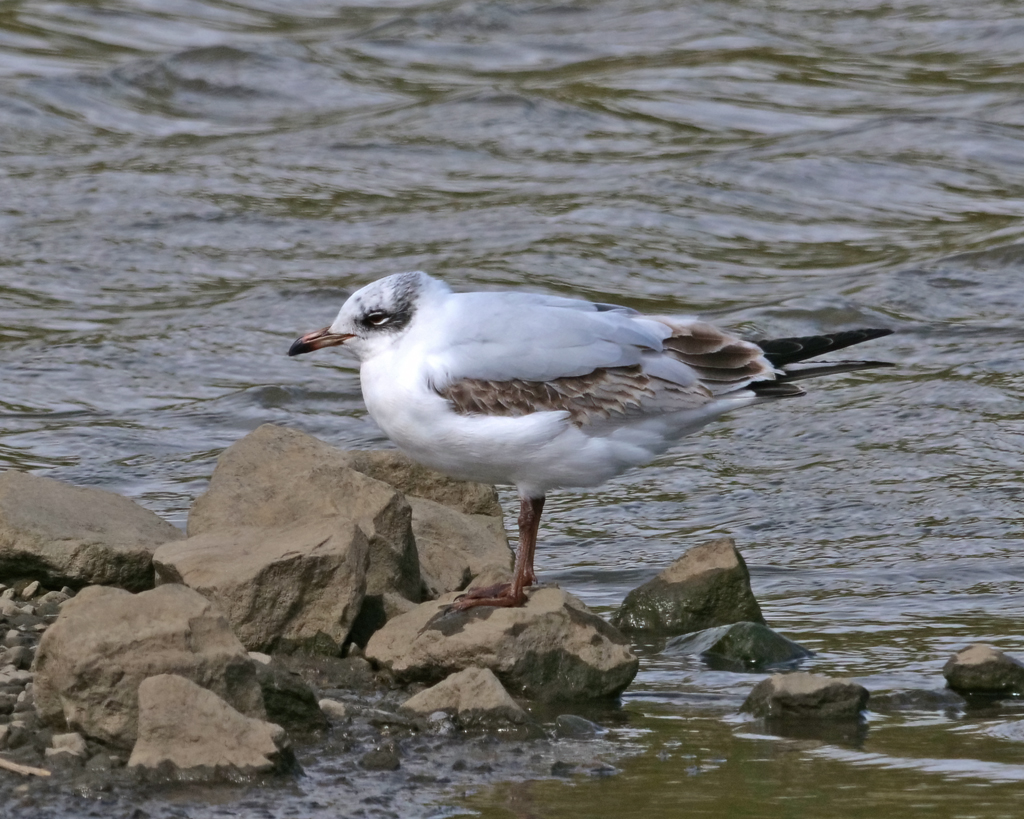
(188, 185)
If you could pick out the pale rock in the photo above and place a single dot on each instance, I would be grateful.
(73, 743)
(982, 669)
(805, 696)
(333, 710)
(550, 648)
(475, 696)
(188, 732)
(90, 662)
(76, 535)
(298, 587)
(30, 590)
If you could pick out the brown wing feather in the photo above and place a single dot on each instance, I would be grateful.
(602, 395)
(720, 359)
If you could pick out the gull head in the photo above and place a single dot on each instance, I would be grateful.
(373, 317)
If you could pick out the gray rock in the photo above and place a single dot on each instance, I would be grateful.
(380, 759)
(276, 478)
(550, 648)
(806, 696)
(400, 471)
(298, 587)
(334, 711)
(982, 669)
(455, 547)
(708, 586)
(75, 535)
(19, 657)
(570, 726)
(106, 641)
(73, 743)
(288, 700)
(474, 696)
(30, 590)
(188, 732)
(739, 647)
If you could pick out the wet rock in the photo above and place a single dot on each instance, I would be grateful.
(805, 696)
(474, 696)
(455, 547)
(982, 669)
(188, 732)
(570, 726)
(288, 700)
(739, 647)
(381, 759)
(351, 673)
(106, 641)
(550, 648)
(334, 711)
(918, 700)
(276, 477)
(73, 743)
(76, 535)
(708, 586)
(398, 470)
(297, 587)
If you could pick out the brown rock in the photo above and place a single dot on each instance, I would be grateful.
(106, 641)
(708, 586)
(62, 534)
(298, 587)
(550, 648)
(474, 696)
(982, 669)
(188, 732)
(801, 695)
(455, 547)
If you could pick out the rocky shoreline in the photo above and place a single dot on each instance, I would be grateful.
(307, 606)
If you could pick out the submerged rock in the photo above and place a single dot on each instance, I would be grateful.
(188, 732)
(982, 669)
(297, 587)
(454, 547)
(708, 586)
(739, 647)
(474, 696)
(62, 534)
(806, 696)
(106, 641)
(550, 648)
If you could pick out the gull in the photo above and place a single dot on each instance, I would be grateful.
(544, 392)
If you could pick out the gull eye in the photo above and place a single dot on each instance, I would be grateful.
(378, 318)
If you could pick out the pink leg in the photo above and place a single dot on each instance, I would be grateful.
(523, 575)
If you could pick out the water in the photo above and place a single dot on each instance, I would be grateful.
(187, 186)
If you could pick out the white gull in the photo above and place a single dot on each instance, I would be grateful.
(542, 391)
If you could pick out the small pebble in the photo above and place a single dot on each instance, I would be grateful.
(380, 759)
(7, 594)
(30, 590)
(73, 743)
(333, 709)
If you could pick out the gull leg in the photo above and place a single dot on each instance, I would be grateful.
(505, 594)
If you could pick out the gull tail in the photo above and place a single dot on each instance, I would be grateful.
(789, 355)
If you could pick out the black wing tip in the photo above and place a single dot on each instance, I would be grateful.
(782, 351)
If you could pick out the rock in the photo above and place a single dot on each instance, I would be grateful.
(982, 669)
(801, 695)
(188, 732)
(569, 726)
(276, 478)
(334, 711)
(30, 590)
(106, 641)
(72, 743)
(474, 696)
(19, 657)
(288, 700)
(739, 647)
(550, 648)
(917, 699)
(708, 586)
(76, 535)
(380, 759)
(400, 471)
(298, 587)
(455, 547)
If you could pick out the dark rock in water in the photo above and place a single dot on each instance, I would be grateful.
(288, 700)
(708, 586)
(918, 700)
(806, 696)
(380, 759)
(982, 669)
(739, 647)
(569, 726)
(60, 534)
